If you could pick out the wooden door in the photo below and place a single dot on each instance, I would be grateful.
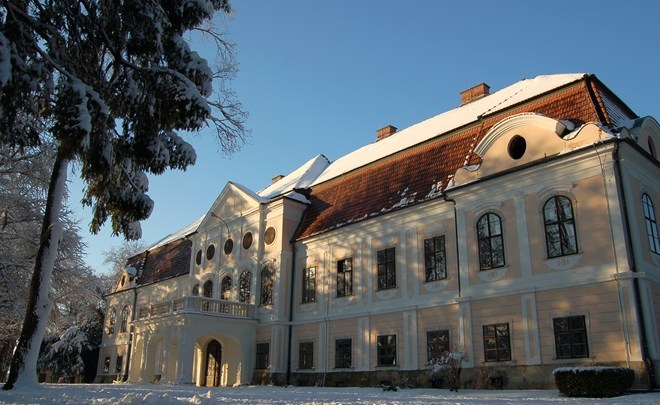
(213, 364)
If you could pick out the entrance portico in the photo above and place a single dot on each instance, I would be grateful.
(194, 347)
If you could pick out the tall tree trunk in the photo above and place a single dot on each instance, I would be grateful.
(23, 369)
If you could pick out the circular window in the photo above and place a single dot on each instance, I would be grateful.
(269, 236)
(229, 246)
(198, 258)
(210, 252)
(247, 240)
(517, 147)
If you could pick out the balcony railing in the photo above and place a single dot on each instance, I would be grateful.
(229, 309)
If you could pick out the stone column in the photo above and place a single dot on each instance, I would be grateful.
(184, 360)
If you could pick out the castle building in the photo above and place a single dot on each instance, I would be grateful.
(520, 229)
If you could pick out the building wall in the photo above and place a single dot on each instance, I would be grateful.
(612, 281)
(527, 293)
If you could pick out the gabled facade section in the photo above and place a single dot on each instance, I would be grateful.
(519, 228)
(191, 303)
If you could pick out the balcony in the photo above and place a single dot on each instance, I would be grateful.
(202, 305)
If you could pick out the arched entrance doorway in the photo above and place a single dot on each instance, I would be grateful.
(213, 363)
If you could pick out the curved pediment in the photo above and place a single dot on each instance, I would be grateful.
(646, 133)
(524, 138)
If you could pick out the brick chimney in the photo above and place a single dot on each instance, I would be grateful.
(475, 93)
(385, 132)
(277, 178)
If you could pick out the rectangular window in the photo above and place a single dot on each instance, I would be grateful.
(497, 342)
(386, 269)
(118, 364)
(345, 277)
(434, 258)
(106, 365)
(306, 355)
(437, 343)
(570, 337)
(262, 356)
(386, 345)
(309, 285)
(343, 353)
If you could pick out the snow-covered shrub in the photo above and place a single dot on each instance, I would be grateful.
(593, 382)
(63, 356)
(448, 368)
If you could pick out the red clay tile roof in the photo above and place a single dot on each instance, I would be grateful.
(420, 173)
(167, 261)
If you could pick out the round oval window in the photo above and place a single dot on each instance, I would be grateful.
(198, 257)
(517, 147)
(269, 236)
(210, 252)
(229, 246)
(247, 240)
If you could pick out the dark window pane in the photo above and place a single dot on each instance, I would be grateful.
(345, 277)
(306, 355)
(570, 337)
(434, 258)
(262, 355)
(309, 285)
(267, 286)
(244, 286)
(343, 353)
(386, 346)
(437, 343)
(386, 269)
(497, 343)
(560, 234)
(490, 242)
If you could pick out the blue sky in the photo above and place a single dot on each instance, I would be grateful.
(323, 76)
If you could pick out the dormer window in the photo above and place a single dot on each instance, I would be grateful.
(517, 147)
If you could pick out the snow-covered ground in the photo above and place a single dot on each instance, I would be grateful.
(164, 394)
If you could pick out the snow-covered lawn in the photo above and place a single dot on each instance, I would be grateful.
(164, 394)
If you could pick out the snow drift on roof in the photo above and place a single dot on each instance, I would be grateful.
(448, 121)
(302, 177)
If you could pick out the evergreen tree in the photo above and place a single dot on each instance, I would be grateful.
(111, 85)
(63, 355)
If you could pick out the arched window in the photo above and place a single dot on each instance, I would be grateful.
(195, 290)
(266, 286)
(651, 224)
(208, 289)
(491, 242)
(244, 286)
(111, 321)
(123, 325)
(225, 288)
(560, 239)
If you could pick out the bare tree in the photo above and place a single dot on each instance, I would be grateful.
(119, 255)
(76, 290)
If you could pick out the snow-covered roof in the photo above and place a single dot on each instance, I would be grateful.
(182, 233)
(446, 122)
(302, 177)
